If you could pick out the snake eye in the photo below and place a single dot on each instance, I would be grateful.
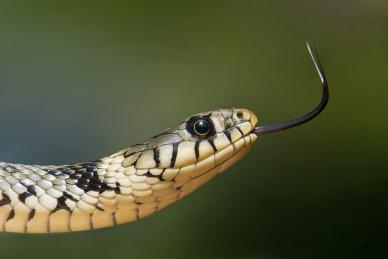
(201, 127)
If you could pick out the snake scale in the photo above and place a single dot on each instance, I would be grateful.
(134, 182)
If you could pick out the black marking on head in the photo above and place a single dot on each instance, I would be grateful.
(228, 135)
(222, 114)
(6, 200)
(23, 196)
(196, 149)
(31, 214)
(11, 215)
(211, 142)
(174, 153)
(161, 175)
(239, 130)
(157, 156)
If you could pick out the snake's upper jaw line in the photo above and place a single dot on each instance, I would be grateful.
(265, 129)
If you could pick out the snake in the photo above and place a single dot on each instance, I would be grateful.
(137, 181)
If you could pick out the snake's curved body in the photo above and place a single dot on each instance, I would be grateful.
(126, 186)
(134, 182)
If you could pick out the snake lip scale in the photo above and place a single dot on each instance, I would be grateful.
(137, 181)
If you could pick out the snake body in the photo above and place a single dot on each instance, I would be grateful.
(128, 185)
(137, 181)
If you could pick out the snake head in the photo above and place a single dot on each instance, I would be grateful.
(180, 159)
(195, 150)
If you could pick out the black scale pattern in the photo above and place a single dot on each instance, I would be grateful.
(84, 175)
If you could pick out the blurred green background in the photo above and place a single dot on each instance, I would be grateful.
(81, 79)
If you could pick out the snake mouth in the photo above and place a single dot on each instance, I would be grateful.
(265, 129)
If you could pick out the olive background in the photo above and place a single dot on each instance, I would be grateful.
(81, 79)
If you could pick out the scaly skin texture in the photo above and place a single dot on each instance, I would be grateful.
(128, 185)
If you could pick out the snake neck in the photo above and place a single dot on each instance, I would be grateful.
(128, 185)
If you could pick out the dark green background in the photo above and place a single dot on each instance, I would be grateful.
(81, 79)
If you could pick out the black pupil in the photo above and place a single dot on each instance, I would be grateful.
(201, 127)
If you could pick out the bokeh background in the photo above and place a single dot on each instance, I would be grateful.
(82, 79)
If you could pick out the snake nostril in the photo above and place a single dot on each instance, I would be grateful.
(240, 115)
